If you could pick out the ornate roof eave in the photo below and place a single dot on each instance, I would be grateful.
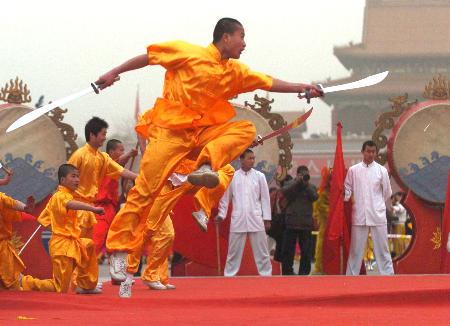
(361, 51)
(350, 55)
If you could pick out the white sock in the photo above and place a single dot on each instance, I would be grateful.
(121, 254)
(206, 166)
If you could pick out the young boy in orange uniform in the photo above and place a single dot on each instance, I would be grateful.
(94, 166)
(67, 250)
(11, 265)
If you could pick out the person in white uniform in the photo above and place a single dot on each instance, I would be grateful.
(250, 217)
(367, 183)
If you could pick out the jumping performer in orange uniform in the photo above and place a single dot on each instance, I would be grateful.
(191, 120)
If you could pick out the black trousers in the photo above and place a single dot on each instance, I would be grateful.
(289, 242)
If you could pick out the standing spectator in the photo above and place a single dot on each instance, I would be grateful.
(251, 216)
(368, 183)
(278, 208)
(300, 195)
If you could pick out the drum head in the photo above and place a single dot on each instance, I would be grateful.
(34, 152)
(267, 154)
(420, 150)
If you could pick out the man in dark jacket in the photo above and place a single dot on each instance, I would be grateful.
(300, 195)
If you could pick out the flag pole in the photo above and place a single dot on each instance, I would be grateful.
(219, 267)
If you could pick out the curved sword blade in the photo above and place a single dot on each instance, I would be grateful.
(33, 115)
(368, 81)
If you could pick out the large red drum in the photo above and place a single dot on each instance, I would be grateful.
(419, 149)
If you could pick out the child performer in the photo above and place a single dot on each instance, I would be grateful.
(67, 250)
(94, 165)
(11, 265)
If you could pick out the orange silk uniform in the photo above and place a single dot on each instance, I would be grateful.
(11, 265)
(160, 243)
(67, 250)
(93, 165)
(190, 120)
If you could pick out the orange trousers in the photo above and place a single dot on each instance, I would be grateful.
(10, 266)
(217, 145)
(159, 248)
(63, 268)
(159, 244)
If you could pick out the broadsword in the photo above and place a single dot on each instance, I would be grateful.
(368, 81)
(294, 124)
(33, 115)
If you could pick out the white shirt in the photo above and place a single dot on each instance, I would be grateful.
(400, 212)
(251, 202)
(371, 188)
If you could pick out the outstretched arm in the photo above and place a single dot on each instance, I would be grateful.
(281, 86)
(28, 207)
(127, 174)
(108, 79)
(80, 206)
(123, 160)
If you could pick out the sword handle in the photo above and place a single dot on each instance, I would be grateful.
(258, 141)
(307, 93)
(97, 88)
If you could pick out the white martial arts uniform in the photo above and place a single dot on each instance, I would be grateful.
(251, 206)
(371, 188)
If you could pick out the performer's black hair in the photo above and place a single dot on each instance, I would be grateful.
(64, 170)
(225, 25)
(247, 151)
(112, 144)
(369, 143)
(94, 126)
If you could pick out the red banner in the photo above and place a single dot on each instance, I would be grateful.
(336, 241)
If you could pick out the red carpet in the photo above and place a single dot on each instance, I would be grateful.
(318, 300)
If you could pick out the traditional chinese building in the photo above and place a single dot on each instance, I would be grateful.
(411, 39)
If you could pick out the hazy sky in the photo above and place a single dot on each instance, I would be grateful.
(59, 47)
